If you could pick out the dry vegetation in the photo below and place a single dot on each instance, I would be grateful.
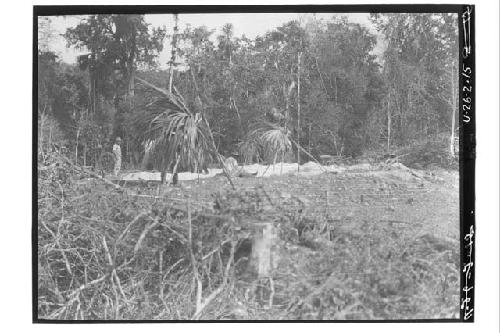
(360, 245)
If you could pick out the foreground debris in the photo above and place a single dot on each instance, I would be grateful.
(351, 252)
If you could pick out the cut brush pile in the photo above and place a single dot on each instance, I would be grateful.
(104, 253)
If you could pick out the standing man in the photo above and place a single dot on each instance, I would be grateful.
(117, 151)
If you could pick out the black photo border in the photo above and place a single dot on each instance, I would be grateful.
(467, 132)
(467, 120)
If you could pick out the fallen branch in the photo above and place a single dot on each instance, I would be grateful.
(73, 296)
(143, 235)
(127, 228)
(216, 292)
(199, 287)
(207, 301)
(90, 173)
(158, 197)
(308, 154)
(271, 295)
(341, 315)
(56, 239)
(113, 273)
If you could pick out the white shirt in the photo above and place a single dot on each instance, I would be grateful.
(117, 151)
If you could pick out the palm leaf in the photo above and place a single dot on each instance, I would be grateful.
(266, 140)
(175, 132)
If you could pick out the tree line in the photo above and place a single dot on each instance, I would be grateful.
(301, 90)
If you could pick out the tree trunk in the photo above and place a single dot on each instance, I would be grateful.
(309, 134)
(282, 158)
(286, 105)
(388, 125)
(42, 126)
(336, 92)
(337, 152)
(170, 78)
(197, 90)
(131, 67)
(174, 50)
(298, 111)
(94, 96)
(50, 137)
(174, 171)
(76, 147)
(91, 89)
(170, 87)
(321, 77)
(85, 155)
(131, 84)
(145, 160)
(452, 136)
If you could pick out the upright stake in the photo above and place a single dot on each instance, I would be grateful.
(263, 258)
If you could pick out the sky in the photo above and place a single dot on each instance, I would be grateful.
(248, 24)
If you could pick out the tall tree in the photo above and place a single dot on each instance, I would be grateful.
(420, 50)
(118, 45)
(172, 62)
(347, 85)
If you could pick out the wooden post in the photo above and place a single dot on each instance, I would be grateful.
(262, 249)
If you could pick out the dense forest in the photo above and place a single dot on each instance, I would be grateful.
(298, 91)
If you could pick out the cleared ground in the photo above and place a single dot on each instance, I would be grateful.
(389, 235)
